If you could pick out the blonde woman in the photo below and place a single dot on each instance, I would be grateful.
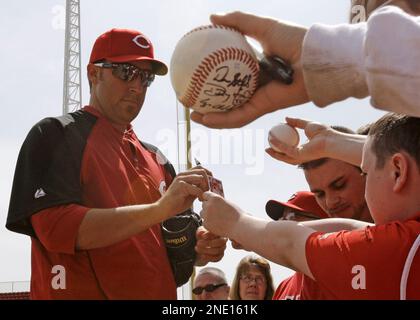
(253, 280)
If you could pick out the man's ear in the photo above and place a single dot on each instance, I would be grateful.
(93, 73)
(399, 171)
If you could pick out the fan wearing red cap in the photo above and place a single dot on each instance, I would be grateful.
(92, 196)
(302, 206)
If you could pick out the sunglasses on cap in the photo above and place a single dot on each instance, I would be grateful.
(208, 288)
(127, 72)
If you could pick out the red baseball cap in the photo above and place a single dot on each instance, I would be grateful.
(302, 201)
(123, 45)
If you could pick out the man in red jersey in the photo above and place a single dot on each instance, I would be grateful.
(375, 262)
(92, 195)
(303, 206)
(338, 191)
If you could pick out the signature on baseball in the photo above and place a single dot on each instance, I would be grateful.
(218, 87)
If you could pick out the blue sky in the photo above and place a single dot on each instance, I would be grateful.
(31, 61)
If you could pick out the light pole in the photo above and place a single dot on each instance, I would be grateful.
(72, 90)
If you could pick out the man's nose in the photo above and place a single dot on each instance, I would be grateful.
(206, 295)
(332, 200)
(135, 87)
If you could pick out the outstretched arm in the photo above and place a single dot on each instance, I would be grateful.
(282, 242)
(335, 224)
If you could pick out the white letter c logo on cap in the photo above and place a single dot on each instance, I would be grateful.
(145, 44)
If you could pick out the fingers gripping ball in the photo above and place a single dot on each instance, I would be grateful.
(213, 69)
(284, 133)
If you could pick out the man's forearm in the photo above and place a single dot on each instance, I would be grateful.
(105, 227)
(335, 224)
(358, 60)
(333, 69)
(346, 147)
(281, 242)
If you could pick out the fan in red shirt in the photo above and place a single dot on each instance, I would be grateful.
(302, 206)
(338, 190)
(374, 262)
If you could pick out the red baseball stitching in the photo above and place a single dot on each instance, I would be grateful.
(209, 64)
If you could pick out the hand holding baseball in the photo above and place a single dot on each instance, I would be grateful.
(276, 38)
(315, 148)
(324, 142)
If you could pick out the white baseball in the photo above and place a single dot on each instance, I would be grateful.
(213, 69)
(284, 133)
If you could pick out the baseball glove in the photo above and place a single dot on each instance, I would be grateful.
(179, 236)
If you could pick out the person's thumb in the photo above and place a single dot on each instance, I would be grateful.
(207, 196)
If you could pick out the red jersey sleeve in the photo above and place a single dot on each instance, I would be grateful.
(359, 264)
(57, 227)
(287, 289)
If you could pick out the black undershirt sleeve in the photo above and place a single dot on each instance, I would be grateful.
(48, 168)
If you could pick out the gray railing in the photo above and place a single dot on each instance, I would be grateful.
(14, 286)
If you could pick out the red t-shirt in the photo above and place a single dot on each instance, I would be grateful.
(379, 262)
(115, 170)
(298, 287)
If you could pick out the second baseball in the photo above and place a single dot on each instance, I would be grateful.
(284, 133)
